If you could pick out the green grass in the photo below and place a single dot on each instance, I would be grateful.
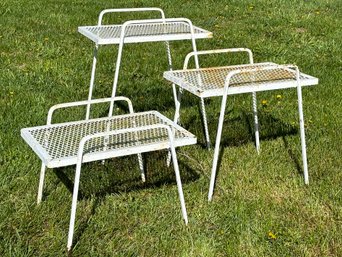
(44, 61)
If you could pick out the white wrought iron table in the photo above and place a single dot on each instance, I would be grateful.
(70, 143)
(238, 79)
(138, 31)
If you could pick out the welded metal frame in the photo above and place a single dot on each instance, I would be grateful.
(299, 80)
(44, 156)
(85, 30)
(93, 69)
(83, 157)
(195, 54)
(221, 119)
(105, 134)
(122, 41)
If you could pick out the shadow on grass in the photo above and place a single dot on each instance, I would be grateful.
(293, 156)
(121, 175)
(239, 130)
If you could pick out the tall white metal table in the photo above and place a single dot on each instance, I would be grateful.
(139, 31)
(239, 79)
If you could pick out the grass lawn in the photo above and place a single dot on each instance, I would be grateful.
(261, 206)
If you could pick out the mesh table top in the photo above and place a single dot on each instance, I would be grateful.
(209, 82)
(57, 145)
(137, 33)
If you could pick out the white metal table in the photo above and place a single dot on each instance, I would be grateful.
(138, 31)
(238, 79)
(70, 143)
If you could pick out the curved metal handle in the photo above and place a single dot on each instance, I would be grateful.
(80, 103)
(129, 10)
(217, 51)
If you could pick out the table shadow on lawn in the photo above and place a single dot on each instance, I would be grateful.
(239, 130)
(121, 175)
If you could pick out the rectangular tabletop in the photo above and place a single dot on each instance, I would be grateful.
(209, 82)
(137, 33)
(57, 145)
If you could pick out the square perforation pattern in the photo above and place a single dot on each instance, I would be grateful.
(214, 78)
(149, 29)
(63, 140)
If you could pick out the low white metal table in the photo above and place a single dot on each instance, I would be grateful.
(77, 142)
(238, 79)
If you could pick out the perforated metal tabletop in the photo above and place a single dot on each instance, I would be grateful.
(208, 82)
(137, 33)
(57, 144)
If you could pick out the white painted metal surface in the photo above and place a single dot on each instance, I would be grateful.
(138, 31)
(254, 71)
(116, 133)
(70, 143)
(107, 11)
(247, 78)
(209, 82)
(195, 54)
(57, 144)
(122, 40)
(162, 30)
